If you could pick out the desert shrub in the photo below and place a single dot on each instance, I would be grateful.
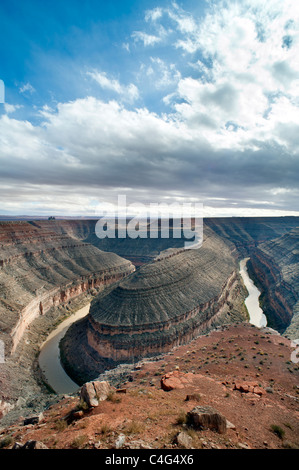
(82, 405)
(79, 441)
(134, 427)
(181, 418)
(105, 429)
(60, 425)
(113, 397)
(6, 441)
(278, 431)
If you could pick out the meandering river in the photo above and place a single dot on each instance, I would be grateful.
(49, 358)
(256, 314)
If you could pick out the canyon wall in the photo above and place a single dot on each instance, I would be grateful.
(40, 269)
(274, 266)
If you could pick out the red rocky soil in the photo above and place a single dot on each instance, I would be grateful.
(243, 372)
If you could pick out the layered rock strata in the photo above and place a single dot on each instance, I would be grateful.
(40, 268)
(164, 304)
(275, 269)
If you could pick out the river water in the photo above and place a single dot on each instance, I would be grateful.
(256, 314)
(49, 358)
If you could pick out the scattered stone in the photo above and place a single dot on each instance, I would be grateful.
(17, 445)
(207, 417)
(230, 425)
(34, 445)
(182, 439)
(250, 388)
(176, 380)
(94, 392)
(73, 416)
(33, 419)
(121, 390)
(120, 441)
(194, 397)
(138, 444)
(242, 445)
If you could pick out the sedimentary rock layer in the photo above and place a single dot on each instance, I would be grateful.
(40, 268)
(164, 304)
(275, 268)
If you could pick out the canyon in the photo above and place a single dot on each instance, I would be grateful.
(143, 304)
(166, 303)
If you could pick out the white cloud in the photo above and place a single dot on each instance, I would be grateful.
(147, 39)
(164, 74)
(153, 15)
(27, 87)
(11, 108)
(129, 93)
(231, 138)
(126, 46)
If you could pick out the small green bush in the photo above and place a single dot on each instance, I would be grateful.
(278, 431)
(181, 418)
(5, 442)
(79, 441)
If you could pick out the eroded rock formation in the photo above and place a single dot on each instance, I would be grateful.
(40, 268)
(164, 304)
(275, 268)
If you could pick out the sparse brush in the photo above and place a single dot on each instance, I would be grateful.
(134, 427)
(6, 441)
(290, 445)
(278, 431)
(79, 441)
(60, 425)
(82, 405)
(105, 429)
(113, 397)
(288, 425)
(181, 418)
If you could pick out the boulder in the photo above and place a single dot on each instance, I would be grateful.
(193, 396)
(207, 417)
(230, 425)
(182, 439)
(17, 445)
(176, 380)
(73, 415)
(34, 445)
(94, 392)
(120, 441)
(33, 419)
(249, 387)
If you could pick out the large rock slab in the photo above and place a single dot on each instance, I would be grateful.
(94, 392)
(182, 439)
(176, 380)
(207, 417)
(249, 387)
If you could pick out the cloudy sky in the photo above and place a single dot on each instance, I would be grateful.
(196, 101)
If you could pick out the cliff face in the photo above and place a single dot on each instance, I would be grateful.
(248, 232)
(275, 268)
(164, 304)
(40, 268)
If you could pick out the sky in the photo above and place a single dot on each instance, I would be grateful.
(161, 101)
